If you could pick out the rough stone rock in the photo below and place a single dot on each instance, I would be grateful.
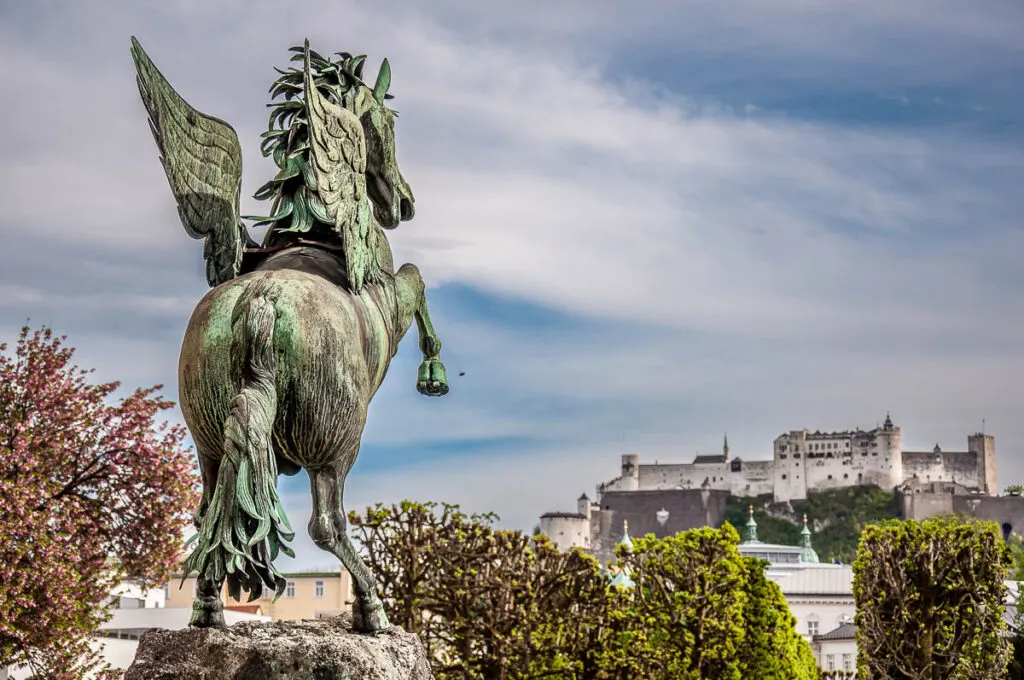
(325, 649)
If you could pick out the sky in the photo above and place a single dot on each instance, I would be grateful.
(642, 225)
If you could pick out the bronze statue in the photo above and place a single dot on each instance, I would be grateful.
(281, 359)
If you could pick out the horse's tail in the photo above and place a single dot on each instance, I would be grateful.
(244, 526)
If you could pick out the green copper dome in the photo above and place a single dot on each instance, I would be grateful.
(807, 555)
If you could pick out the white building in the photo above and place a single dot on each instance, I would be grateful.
(805, 461)
(836, 650)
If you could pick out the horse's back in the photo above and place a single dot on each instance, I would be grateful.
(331, 348)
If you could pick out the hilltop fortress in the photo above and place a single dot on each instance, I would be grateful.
(664, 498)
(819, 461)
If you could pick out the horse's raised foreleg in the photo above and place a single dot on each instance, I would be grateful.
(412, 303)
(328, 527)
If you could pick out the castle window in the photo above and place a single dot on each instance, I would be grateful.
(830, 476)
(736, 465)
(796, 455)
(846, 476)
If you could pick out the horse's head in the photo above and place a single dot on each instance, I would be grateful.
(391, 195)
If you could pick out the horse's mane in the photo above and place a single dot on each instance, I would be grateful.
(297, 210)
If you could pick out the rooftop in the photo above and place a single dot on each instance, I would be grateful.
(574, 515)
(847, 631)
(818, 579)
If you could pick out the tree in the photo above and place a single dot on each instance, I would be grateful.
(92, 492)
(1014, 490)
(772, 649)
(930, 601)
(1016, 545)
(700, 609)
(485, 603)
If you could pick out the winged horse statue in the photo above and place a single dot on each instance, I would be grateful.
(281, 358)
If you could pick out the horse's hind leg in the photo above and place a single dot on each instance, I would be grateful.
(207, 609)
(328, 528)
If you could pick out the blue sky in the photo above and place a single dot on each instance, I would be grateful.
(642, 225)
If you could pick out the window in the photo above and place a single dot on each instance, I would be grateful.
(812, 626)
(830, 662)
(783, 476)
(796, 455)
(318, 589)
(289, 589)
(847, 662)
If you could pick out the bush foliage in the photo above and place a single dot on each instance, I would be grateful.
(491, 604)
(930, 601)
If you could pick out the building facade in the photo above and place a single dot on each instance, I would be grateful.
(307, 595)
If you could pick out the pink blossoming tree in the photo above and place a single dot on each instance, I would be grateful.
(91, 491)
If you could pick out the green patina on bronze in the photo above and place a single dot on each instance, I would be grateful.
(281, 359)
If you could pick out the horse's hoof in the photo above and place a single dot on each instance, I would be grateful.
(432, 380)
(372, 621)
(207, 616)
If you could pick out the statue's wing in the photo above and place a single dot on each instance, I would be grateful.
(203, 161)
(337, 148)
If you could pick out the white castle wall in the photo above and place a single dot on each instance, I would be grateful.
(805, 461)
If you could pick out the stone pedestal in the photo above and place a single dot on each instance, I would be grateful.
(325, 649)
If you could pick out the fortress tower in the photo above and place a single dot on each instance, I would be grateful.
(630, 472)
(983, 446)
(890, 465)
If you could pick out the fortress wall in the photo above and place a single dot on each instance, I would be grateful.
(959, 467)
(829, 473)
(1007, 511)
(756, 478)
(924, 504)
(685, 476)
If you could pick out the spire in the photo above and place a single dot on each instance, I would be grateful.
(725, 446)
(626, 540)
(807, 555)
(621, 577)
(751, 526)
(888, 422)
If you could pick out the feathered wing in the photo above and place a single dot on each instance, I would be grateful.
(337, 149)
(203, 162)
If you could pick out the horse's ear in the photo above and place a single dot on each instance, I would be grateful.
(380, 88)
